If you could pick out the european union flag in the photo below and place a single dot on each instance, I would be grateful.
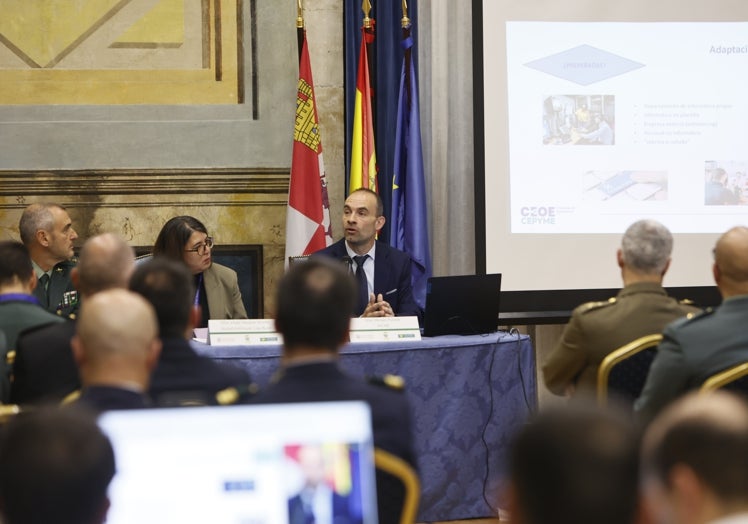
(408, 224)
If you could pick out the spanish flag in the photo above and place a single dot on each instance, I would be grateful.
(363, 152)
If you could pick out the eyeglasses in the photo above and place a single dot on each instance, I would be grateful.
(202, 248)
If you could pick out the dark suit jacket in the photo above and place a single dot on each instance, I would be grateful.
(341, 510)
(63, 298)
(44, 369)
(324, 382)
(691, 351)
(105, 398)
(392, 276)
(184, 377)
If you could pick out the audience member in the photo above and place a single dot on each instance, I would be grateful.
(56, 467)
(181, 375)
(315, 300)
(575, 465)
(44, 368)
(695, 461)
(19, 309)
(185, 239)
(383, 273)
(693, 349)
(47, 231)
(641, 308)
(116, 347)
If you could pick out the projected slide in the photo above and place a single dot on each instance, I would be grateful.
(609, 122)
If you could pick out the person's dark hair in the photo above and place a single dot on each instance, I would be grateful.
(169, 287)
(173, 237)
(56, 467)
(707, 433)
(380, 204)
(576, 465)
(15, 261)
(315, 302)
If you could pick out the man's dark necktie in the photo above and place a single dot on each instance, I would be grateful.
(363, 287)
(44, 283)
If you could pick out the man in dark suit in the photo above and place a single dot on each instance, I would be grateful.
(694, 349)
(19, 309)
(181, 376)
(44, 368)
(116, 347)
(47, 231)
(383, 272)
(315, 300)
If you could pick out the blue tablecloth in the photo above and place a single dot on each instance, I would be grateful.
(469, 395)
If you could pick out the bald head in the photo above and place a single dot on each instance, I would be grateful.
(119, 326)
(105, 262)
(706, 435)
(731, 262)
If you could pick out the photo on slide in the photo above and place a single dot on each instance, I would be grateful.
(725, 183)
(579, 120)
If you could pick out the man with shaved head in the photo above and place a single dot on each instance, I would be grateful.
(695, 461)
(44, 368)
(695, 348)
(116, 347)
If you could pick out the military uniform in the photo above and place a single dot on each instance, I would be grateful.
(692, 350)
(60, 297)
(597, 328)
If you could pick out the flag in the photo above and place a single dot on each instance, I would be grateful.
(308, 216)
(363, 152)
(408, 224)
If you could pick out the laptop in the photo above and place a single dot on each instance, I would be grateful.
(462, 305)
(236, 464)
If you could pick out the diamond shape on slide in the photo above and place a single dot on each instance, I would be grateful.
(584, 65)
(43, 29)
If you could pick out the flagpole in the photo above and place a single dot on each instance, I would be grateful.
(405, 24)
(300, 25)
(368, 29)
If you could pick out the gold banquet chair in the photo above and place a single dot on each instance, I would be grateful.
(398, 489)
(734, 378)
(625, 369)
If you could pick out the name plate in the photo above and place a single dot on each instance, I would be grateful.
(243, 332)
(385, 329)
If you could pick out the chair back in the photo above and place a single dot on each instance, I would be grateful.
(734, 379)
(398, 489)
(296, 259)
(625, 369)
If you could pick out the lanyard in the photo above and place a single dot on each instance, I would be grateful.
(197, 292)
(19, 297)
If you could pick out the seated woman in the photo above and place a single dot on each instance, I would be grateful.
(185, 238)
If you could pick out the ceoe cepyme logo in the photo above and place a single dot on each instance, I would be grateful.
(538, 215)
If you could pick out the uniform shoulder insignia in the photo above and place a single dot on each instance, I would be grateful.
(699, 314)
(687, 302)
(233, 395)
(591, 306)
(394, 382)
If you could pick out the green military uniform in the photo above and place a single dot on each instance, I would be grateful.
(597, 328)
(60, 296)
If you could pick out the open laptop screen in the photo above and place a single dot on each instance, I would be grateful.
(462, 305)
(272, 464)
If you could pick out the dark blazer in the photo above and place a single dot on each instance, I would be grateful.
(105, 398)
(691, 351)
(44, 369)
(184, 377)
(324, 381)
(63, 298)
(391, 275)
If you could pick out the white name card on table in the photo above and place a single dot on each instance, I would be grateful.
(385, 329)
(243, 332)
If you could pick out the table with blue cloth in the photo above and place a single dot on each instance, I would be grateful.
(468, 395)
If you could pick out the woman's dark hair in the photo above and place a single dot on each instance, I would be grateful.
(173, 237)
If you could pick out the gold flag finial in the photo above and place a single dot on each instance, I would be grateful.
(300, 14)
(405, 21)
(366, 7)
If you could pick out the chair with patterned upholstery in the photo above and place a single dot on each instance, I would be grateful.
(624, 371)
(734, 379)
